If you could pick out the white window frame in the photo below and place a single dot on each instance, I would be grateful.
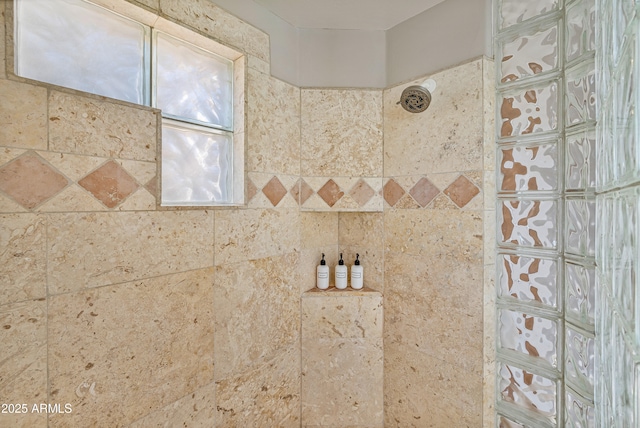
(236, 180)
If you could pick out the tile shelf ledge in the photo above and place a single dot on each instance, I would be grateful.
(335, 292)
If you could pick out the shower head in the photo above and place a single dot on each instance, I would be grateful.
(416, 98)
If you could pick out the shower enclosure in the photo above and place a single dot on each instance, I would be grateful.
(568, 331)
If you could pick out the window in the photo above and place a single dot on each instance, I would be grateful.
(80, 45)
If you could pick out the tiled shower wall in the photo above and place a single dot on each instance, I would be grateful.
(137, 315)
(142, 316)
(438, 193)
(546, 213)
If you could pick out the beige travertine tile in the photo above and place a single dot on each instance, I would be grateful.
(151, 4)
(257, 311)
(23, 257)
(489, 224)
(421, 391)
(266, 395)
(213, 21)
(196, 409)
(435, 233)
(8, 205)
(361, 229)
(72, 166)
(23, 361)
(72, 198)
(250, 234)
(342, 361)
(273, 125)
(259, 64)
(329, 316)
(118, 353)
(140, 200)
(489, 348)
(448, 136)
(318, 229)
(420, 307)
(23, 115)
(341, 132)
(488, 98)
(342, 383)
(7, 154)
(3, 61)
(89, 126)
(94, 249)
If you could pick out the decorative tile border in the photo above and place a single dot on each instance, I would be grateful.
(420, 192)
(48, 181)
(346, 194)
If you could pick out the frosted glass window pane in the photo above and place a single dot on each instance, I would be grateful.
(81, 46)
(193, 84)
(196, 165)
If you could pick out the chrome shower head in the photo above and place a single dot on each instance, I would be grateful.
(416, 98)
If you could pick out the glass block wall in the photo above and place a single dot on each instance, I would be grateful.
(618, 204)
(546, 142)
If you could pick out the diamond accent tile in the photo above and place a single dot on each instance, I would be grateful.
(461, 191)
(392, 192)
(330, 193)
(362, 192)
(301, 191)
(29, 180)
(274, 191)
(424, 191)
(110, 184)
(152, 186)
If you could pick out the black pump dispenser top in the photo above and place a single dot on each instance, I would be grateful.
(322, 262)
(357, 262)
(340, 262)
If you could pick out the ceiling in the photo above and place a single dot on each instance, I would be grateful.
(347, 14)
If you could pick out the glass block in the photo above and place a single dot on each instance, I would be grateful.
(504, 422)
(196, 165)
(606, 164)
(193, 84)
(625, 131)
(623, 387)
(580, 353)
(516, 11)
(530, 335)
(529, 279)
(528, 223)
(580, 227)
(529, 54)
(528, 167)
(580, 95)
(528, 391)
(604, 360)
(78, 45)
(625, 254)
(579, 412)
(580, 161)
(580, 23)
(530, 110)
(580, 299)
